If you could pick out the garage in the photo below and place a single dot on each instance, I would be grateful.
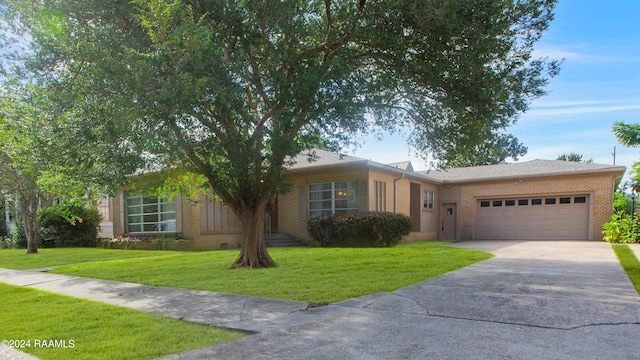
(561, 217)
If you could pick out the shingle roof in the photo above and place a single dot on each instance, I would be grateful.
(517, 170)
(404, 165)
(316, 158)
(324, 158)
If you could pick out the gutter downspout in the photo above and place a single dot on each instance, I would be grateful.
(395, 193)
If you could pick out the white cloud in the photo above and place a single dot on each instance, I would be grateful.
(582, 109)
(572, 53)
(554, 52)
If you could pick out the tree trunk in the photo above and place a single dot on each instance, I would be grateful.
(253, 253)
(29, 204)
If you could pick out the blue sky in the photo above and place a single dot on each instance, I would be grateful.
(599, 83)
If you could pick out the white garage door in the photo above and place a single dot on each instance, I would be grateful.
(534, 218)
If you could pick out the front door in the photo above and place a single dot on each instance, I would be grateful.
(448, 223)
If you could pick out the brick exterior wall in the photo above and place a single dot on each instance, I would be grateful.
(292, 207)
(292, 219)
(599, 187)
(188, 225)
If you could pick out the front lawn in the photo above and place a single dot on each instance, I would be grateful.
(18, 259)
(630, 263)
(52, 326)
(313, 275)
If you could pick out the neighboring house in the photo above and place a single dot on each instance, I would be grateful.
(9, 215)
(539, 199)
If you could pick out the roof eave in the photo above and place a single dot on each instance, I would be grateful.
(365, 163)
(617, 169)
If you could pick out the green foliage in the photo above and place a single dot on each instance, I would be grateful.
(621, 229)
(168, 183)
(19, 237)
(622, 202)
(3, 219)
(629, 263)
(495, 150)
(367, 229)
(575, 157)
(71, 225)
(627, 134)
(157, 242)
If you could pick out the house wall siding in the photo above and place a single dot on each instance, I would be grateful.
(188, 224)
(598, 187)
(210, 232)
(292, 218)
(429, 220)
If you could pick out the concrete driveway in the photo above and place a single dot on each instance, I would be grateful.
(534, 300)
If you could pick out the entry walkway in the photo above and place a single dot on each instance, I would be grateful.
(561, 300)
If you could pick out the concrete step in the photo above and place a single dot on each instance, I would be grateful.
(281, 239)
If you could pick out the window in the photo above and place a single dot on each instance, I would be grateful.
(550, 201)
(510, 203)
(484, 203)
(579, 199)
(380, 195)
(333, 198)
(536, 201)
(565, 200)
(429, 199)
(497, 203)
(523, 202)
(150, 214)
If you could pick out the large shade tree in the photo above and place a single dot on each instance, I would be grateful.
(232, 89)
(23, 158)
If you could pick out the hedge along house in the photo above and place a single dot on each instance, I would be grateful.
(540, 199)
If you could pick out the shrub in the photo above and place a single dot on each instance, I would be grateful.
(70, 225)
(622, 202)
(368, 229)
(171, 241)
(621, 229)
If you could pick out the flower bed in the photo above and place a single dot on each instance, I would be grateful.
(130, 242)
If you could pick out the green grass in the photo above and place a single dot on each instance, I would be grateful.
(313, 275)
(630, 263)
(19, 259)
(97, 330)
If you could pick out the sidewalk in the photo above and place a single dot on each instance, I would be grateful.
(237, 312)
(13, 354)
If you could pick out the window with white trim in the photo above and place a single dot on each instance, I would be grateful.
(150, 214)
(429, 200)
(333, 198)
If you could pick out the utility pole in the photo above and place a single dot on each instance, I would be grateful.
(614, 155)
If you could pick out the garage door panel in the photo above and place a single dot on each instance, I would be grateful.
(553, 219)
